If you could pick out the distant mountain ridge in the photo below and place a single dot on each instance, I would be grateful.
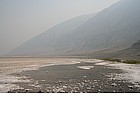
(118, 25)
(47, 41)
(115, 26)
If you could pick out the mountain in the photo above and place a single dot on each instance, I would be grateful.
(121, 52)
(116, 26)
(132, 52)
(48, 40)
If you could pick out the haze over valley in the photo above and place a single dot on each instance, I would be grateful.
(116, 26)
(22, 20)
(63, 46)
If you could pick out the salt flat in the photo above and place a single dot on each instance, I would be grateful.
(12, 80)
(132, 71)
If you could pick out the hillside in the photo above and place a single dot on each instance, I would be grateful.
(122, 52)
(47, 42)
(132, 52)
(116, 26)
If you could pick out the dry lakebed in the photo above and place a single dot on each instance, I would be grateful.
(67, 75)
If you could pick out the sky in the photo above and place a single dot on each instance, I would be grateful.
(20, 20)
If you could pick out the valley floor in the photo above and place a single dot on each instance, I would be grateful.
(67, 75)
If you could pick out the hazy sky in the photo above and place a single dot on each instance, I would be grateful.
(20, 20)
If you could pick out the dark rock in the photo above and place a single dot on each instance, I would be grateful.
(40, 91)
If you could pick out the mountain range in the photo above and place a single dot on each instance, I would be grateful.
(115, 29)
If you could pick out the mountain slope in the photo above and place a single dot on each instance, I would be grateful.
(48, 40)
(118, 25)
(122, 52)
(132, 52)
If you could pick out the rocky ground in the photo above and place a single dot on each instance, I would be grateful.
(83, 77)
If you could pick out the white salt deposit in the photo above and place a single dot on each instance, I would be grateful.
(103, 63)
(4, 88)
(12, 79)
(85, 67)
(132, 71)
(91, 60)
(8, 82)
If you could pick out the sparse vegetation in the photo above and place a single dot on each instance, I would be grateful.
(131, 61)
(123, 61)
(113, 59)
